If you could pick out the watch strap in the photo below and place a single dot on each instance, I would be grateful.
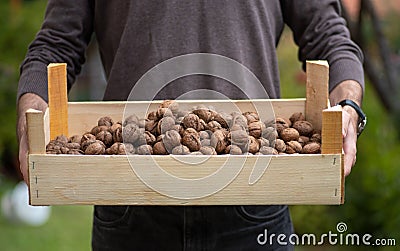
(362, 118)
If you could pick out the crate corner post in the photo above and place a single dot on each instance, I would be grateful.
(58, 99)
(317, 97)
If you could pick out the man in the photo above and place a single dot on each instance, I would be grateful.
(134, 36)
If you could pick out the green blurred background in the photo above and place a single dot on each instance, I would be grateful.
(372, 190)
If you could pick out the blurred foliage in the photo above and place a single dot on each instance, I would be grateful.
(373, 188)
(17, 31)
(391, 26)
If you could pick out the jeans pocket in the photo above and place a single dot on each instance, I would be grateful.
(262, 214)
(111, 216)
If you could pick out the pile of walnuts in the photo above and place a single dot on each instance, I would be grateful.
(201, 131)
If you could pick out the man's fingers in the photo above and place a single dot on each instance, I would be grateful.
(23, 157)
(349, 143)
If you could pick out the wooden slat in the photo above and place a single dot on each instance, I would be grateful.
(110, 180)
(317, 91)
(332, 139)
(36, 132)
(58, 99)
(84, 115)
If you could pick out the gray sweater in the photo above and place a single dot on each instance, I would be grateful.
(134, 36)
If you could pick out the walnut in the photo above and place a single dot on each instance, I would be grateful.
(316, 137)
(142, 138)
(95, 130)
(266, 150)
(270, 123)
(312, 148)
(303, 140)
(204, 135)
(207, 150)
(165, 124)
(171, 139)
(150, 138)
(144, 150)
(251, 117)
(62, 139)
(151, 126)
(179, 120)
(263, 142)
(255, 129)
(171, 105)
(281, 124)
(159, 148)
(141, 123)
(115, 127)
(117, 134)
(105, 121)
(280, 145)
(213, 126)
(116, 149)
(160, 138)
(240, 138)
(54, 147)
(73, 145)
(223, 119)
(270, 133)
(129, 148)
(87, 136)
(254, 145)
(239, 119)
(152, 116)
(293, 145)
(131, 119)
(95, 148)
(297, 116)
(182, 113)
(238, 127)
(181, 150)
(205, 142)
(178, 128)
(289, 134)
(205, 114)
(130, 133)
(218, 141)
(86, 143)
(75, 139)
(234, 150)
(75, 152)
(192, 121)
(163, 112)
(191, 139)
(305, 128)
(106, 137)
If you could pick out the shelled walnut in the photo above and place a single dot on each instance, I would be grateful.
(199, 131)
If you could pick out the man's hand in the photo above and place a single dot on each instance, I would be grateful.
(348, 90)
(27, 101)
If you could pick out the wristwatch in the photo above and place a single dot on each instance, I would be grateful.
(362, 118)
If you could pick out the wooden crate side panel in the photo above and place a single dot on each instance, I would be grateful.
(84, 115)
(110, 180)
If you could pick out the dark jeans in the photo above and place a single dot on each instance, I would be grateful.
(189, 228)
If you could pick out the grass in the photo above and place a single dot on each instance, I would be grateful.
(69, 228)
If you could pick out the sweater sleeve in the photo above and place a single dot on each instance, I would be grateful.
(321, 34)
(63, 38)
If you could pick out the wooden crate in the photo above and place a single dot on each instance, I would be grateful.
(252, 180)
